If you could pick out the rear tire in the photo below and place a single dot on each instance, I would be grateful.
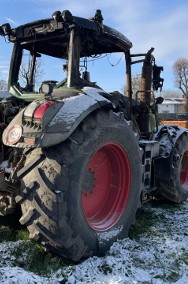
(176, 188)
(85, 192)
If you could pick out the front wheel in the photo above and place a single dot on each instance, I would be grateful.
(84, 194)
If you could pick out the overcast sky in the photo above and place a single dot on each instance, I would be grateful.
(162, 24)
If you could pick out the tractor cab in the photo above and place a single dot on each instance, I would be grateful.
(52, 57)
(62, 47)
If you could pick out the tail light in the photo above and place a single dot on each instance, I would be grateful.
(39, 112)
(12, 135)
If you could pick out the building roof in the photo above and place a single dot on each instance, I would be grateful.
(174, 101)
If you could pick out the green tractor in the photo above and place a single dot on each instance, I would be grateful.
(76, 159)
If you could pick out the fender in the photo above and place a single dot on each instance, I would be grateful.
(58, 121)
(167, 137)
(172, 131)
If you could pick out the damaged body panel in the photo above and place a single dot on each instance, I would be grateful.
(57, 123)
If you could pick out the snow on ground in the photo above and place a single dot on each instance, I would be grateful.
(157, 255)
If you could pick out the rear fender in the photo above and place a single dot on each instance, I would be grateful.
(172, 131)
(70, 115)
(59, 121)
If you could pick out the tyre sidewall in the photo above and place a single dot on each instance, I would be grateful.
(180, 148)
(122, 134)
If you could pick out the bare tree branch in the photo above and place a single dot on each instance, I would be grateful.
(181, 77)
(136, 81)
(25, 73)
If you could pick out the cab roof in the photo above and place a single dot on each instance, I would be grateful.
(51, 36)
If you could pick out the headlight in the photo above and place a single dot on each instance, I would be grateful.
(12, 135)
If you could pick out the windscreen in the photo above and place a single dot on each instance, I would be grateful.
(105, 70)
(37, 68)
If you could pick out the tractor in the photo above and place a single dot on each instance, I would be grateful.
(76, 159)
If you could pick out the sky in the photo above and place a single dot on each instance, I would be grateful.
(162, 24)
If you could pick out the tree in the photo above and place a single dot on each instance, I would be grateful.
(181, 77)
(171, 93)
(136, 81)
(25, 73)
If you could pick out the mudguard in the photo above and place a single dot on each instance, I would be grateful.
(172, 131)
(58, 122)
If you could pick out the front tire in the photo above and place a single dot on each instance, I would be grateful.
(85, 192)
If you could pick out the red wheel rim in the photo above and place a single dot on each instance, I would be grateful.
(107, 197)
(184, 170)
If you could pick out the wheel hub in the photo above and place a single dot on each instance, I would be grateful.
(106, 186)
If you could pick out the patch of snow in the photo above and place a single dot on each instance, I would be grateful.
(109, 234)
(73, 107)
(94, 93)
(157, 256)
(15, 275)
(121, 37)
(4, 167)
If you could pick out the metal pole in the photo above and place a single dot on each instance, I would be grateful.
(129, 81)
(73, 59)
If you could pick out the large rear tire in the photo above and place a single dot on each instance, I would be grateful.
(83, 195)
(175, 189)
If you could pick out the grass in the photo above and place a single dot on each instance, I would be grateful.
(11, 229)
(145, 219)
(35, 258)
(38, 260)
